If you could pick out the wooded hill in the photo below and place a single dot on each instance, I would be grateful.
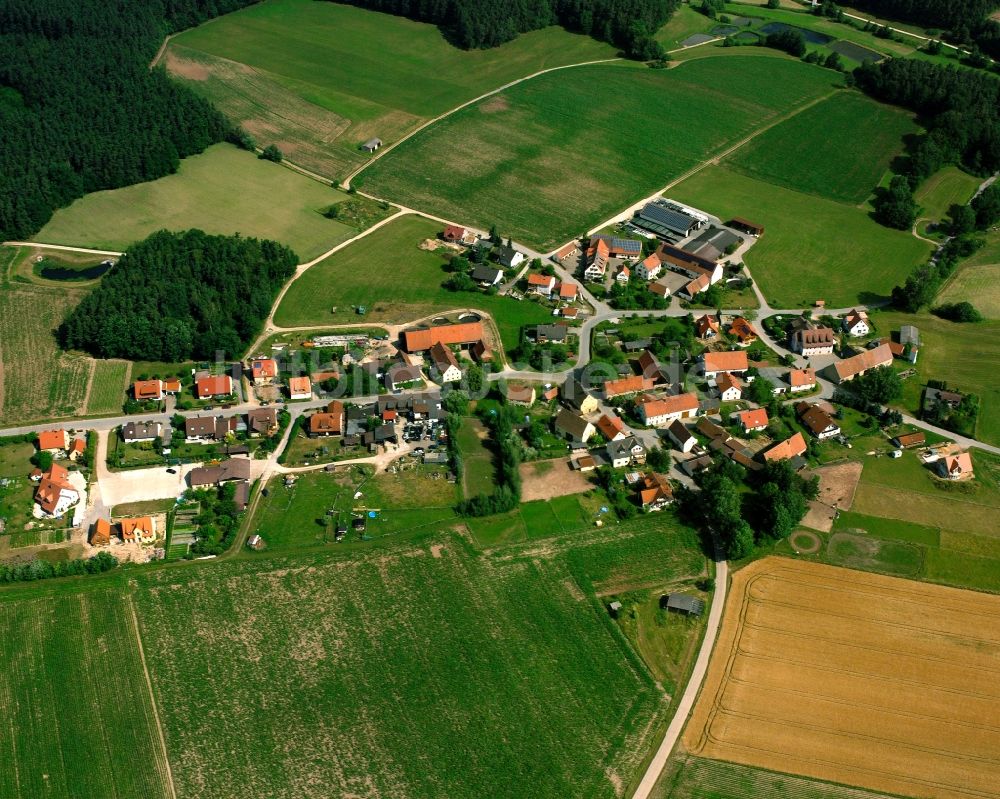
(177, 296)
(470, 24)
(80, 110)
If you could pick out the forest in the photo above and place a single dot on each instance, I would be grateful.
(963, 21)
(80, 109)
(177, 296)
(472, 24)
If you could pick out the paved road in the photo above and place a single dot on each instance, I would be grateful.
(659, 761)
(62, 247)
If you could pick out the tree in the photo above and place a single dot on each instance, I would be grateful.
(761, 391)
(789, 40)
(882, 385)
(895, 206)
(774, 3)
(958, 312)
(42, 459)
(659, 459)
(832, 61)
(272, 153)
(987, 206)
(963, 219)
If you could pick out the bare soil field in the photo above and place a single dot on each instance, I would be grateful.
(855, 678)
(837, 485)
(556, 481)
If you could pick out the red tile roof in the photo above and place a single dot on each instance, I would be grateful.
(535, 279)
(669, 405)
(863, 361)
(101, 535)
(705, 323)
(54, 480)
(299, 385)
(52, 439)
(726, 381)
(753, 420)
(610, 426)
(462, 333)
(264, 368)
(742, 329)
(147, 389)
(726, 361)
(78, 447)
(568, 290)
(214, 386)
(453, 233)
(797, 378)
(627, 385)
(789, 448)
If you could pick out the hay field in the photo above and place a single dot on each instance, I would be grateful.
(108, 386)
(319, 78)
(555, 155)
(860, 139)
(223, 190)
(855, 678)
(78, 721)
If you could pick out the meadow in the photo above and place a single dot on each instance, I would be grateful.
(418, 672)
(74, 682)
(699, 778)
(860, 139)
(959, 354)
(978, 280)
(320, 78)
(946, 187)
(549, 157)
(812, 247)
(223, 190)
(108, 386)
(397, 282)
(479, 474)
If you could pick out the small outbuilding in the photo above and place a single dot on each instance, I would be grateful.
(684, 604)
(371, 145)
(615, 608)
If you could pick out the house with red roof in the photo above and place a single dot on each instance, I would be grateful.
(55, 442)
(611, 427)
(706, 327)
(661, 412)
(299, 388)
(792, 447)
(213, 386)
(263, 370)
(541, 284)
(55, 494)
(956, 466)
(148, 390)
(714, 363)
(77, 448)
(752, 421)
(568, 292)
(730, 387)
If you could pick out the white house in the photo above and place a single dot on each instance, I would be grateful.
(730, 387)
(623, 275)
(714, 363)
(509, 257)
(856, 323)
(625, 452)
(681, 436)
(660, 412)
(649, 268)
(541, 284)
(55, 494)
(813, 341)
(446, 363)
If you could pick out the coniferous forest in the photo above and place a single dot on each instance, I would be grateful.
(963, 21)
(80, 110)
(176, 296)
(471, 24)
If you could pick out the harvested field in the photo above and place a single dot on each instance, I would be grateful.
(108, 386)
(818, 670)
(557, 481)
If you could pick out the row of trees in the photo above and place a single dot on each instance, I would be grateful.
(80, 110)
(42, 570)
(177, 296)
(217, 520)
(966, 22)
(923, 284)
(473, 24)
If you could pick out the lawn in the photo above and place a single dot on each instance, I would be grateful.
(860, 139)
(555, 155)
(397, 282)
(479, 473)
(812, 247)
(50, 383)
(72, 677)
(684, 22)
(17, 496)
(108, 387)
(415, 672)
(320, 78)
(223, 190)
(956, 353)
(946, 187)
(416, 501)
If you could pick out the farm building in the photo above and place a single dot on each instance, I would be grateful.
(910, 440)
(746, 226)
(663, 221)
(573, 427)
(421, 339)
(852, 367)
(684, 604)
(486, 275)
(681, 436)
(371, 145)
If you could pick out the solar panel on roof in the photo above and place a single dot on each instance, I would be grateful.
(626, 245)
(664, 216)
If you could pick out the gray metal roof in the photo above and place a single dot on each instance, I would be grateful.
(686, 603)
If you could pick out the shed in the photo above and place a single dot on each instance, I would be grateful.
(615, 608)
(683, 603)
(371, 145)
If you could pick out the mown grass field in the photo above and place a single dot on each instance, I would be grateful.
(479, 474)
(978, 280)
(946, 187)
(489, 677)
(689, 777)
(684, 22)
(860, 139)
(555, 155)
(397, 282)
(73, 692)
(224, 190)
(812, 248)
(320, 78)
(960, 354)
(108, 386)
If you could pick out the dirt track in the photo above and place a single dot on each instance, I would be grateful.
(855, 678)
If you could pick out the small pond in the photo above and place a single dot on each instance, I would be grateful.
(53, 270)
(810, 36)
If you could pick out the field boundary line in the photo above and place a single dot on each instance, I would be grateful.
(152, 696)
(65, 247)
(347, 181)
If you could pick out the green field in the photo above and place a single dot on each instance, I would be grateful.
(699, 778)
(397, 282)
(860, 139)
(946, 187)
(73, 689)
(978, 280)
(108, 386)
(555, 155)
(38, 380)
(813, 248)
(959, 354)
(320, 78)
(479, 474)
(223, 190)
(684, 22)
